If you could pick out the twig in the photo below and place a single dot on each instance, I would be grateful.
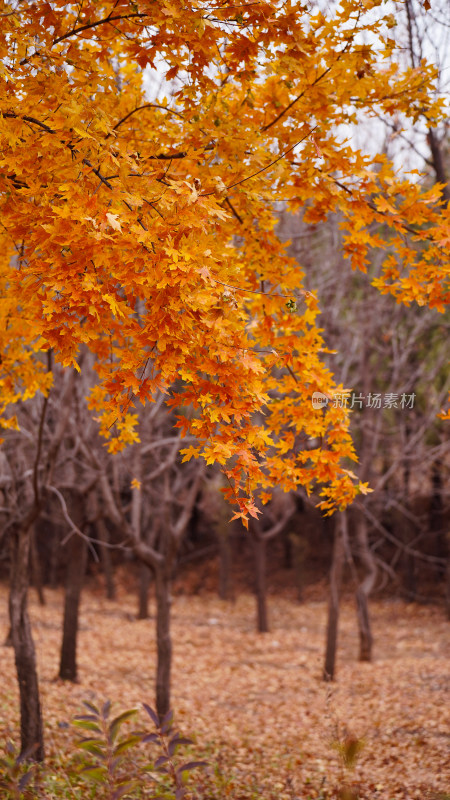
(73, 527)
(89, 25)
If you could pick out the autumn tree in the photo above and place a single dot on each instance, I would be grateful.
(153, 524)
(120, 214)
(394, 359)
(423, 32)
(32, 463)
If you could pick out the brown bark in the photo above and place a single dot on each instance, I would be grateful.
(288, 550)
(225, 564)
(262, 620)
(281, 510)
(76, 567)
(337, 568)
(54, 557)
(157, 548)
(31, 727)
(105, 557)
(144, 581)
(299, 549)
(436, 517)
(8, 638)
(438, 163)
(218, 513)
(447, 589)
(163, 641)
(364, 589)
(409, 560)
(36, 569)
(170, 536)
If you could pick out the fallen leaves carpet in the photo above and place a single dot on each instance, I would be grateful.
(256, 704)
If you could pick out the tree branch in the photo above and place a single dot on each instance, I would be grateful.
(96, 24)
(140, 108)
(180, 526)
(263, 169)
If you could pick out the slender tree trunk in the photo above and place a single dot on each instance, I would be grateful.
(105, 556)
(289, 549)
(261, 587)
(337, 568)
(436, 516)
(145, 575)
(36, 570)
(409, 560)
(225, 564)
(31, 728)
(299, 549)
(438, 163)
(140, 532)
(365, 632)
(364, 589)
(76, 567)
(8, 638)
(410, 579)
(447, 589)
(163, 640)
(54, 557)
(278, 516)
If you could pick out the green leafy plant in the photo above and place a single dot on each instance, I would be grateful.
(17, 774)
(106, 760)
(169, 740)
(105, 750)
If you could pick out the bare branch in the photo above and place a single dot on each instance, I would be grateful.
(90, 25)
(73, 527)
(180, 526)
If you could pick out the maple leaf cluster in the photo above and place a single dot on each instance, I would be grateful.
(143, 229)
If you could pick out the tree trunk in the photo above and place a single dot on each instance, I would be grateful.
(436, 516)
(365, 633)
(54, 557)
(105, 556)
(225, 564)
(410, 580)
(31, 728)
(36, 570)
(145, 575)
(364, 589)
(288, 549)
(447, 587)
(8, 638)
(438, 163)
(299, 550)
(76, 566)
(261, 588)
(163, 640)
(410, 577)
(337, 568)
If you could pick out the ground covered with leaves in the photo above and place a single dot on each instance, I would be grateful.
(255, 704)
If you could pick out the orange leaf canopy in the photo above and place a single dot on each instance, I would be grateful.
(139, 225)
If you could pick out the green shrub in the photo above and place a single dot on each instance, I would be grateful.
(110, 762)
(17, 774)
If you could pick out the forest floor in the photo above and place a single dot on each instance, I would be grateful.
(255, 704)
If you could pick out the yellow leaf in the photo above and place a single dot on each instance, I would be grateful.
(113, 220)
